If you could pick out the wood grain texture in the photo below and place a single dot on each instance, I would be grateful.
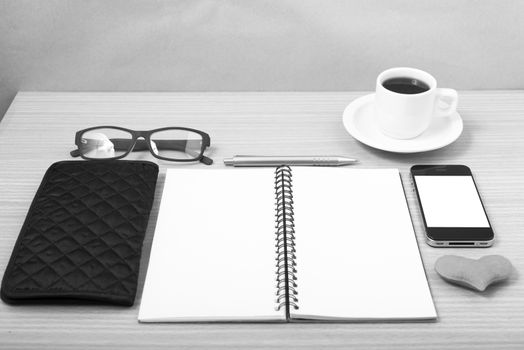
(39, 129)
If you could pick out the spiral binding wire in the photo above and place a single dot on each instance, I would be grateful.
(285, 241)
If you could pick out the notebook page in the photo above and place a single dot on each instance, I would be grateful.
(213, 254)
(357, 255)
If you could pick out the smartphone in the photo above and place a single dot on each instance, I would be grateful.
(453, 213)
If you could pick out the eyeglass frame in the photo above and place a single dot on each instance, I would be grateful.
(146, 135)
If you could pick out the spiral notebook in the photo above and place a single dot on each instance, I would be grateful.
(284, 245)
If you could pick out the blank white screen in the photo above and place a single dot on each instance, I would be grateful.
(450, 201)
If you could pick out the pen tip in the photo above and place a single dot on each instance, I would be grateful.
(347, 161)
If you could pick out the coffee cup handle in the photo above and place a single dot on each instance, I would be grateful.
(446, 102)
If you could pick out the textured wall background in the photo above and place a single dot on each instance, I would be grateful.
(255, 44)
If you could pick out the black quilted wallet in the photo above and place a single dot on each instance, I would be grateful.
(82, 238)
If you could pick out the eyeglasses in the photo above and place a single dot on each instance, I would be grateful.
(113, 142)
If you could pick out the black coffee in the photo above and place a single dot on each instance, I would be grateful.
(405, 85)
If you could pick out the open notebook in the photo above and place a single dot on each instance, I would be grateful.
(284, 244)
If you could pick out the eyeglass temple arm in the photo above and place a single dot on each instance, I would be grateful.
(141, 145)
(75, 153)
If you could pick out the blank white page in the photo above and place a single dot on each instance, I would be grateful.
(357, 254)
(213, 254)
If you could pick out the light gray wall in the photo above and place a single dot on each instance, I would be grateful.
(255, 44)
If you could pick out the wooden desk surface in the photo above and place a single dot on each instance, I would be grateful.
(39, 129)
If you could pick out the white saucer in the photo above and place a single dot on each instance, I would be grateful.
(359, 121)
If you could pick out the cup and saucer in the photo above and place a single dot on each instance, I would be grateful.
(406, 114)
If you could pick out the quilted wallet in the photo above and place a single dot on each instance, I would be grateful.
(82, 237)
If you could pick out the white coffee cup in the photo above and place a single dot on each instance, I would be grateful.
(405, 116)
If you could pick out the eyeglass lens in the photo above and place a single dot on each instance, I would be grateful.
(176, 144)
(105, 143)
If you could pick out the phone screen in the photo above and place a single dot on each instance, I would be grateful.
(450, 201)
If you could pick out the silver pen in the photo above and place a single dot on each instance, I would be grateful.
(288, 160)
